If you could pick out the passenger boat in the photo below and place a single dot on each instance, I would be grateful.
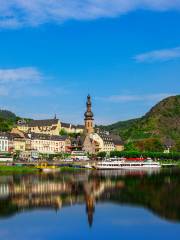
(127, 164)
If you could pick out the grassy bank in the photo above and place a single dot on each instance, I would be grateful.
(18, 169)
(27, 169)
(170, 162)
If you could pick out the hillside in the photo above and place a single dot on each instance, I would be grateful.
(7, 120)
(161, 123)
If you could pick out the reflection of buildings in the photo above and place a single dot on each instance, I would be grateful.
(158, 192)
(36, 192)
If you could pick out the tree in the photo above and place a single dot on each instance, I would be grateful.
(130, 147)
(101, 154)
(63, 132)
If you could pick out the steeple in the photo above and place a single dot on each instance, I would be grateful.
(89, 120)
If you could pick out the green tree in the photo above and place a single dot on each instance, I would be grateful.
(130, 147)
(63, 132)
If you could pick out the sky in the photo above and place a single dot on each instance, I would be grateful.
(124, 53)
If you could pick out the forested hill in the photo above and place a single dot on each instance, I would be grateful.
(7, 120)
(161, 123)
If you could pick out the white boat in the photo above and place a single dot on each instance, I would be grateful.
(123, 164)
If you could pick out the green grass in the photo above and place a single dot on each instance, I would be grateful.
(18, 169)
(170, 162)
(26, 169)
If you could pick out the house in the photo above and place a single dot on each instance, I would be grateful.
(118, 143)
(17, 142)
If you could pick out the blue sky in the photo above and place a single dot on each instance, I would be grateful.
(126, 54)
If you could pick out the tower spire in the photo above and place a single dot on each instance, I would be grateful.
(89, 120)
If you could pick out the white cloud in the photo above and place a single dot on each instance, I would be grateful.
(159, 55)
(27, 74)
(132, 98)
(27, 81)
(19, 13)
(20, 82)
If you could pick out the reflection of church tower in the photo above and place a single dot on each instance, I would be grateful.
(90, 209)
(89, 120)
(90, 201)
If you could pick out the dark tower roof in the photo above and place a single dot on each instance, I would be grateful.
(88, 114)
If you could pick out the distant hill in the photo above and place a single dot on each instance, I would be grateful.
(7, 120)
(161, 123)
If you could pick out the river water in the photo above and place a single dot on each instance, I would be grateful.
(87, 205)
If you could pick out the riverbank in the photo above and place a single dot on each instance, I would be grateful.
(17, 169)
(72, 168)
(177, 163)
(30, 169)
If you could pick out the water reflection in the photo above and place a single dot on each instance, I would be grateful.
(156, 191)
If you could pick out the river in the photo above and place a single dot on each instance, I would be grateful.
(87, 205)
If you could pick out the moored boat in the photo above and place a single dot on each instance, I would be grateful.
(44, 167)
(127, 164)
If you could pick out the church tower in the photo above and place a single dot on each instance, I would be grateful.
(89, 120)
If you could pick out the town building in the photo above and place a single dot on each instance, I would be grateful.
(19, 144)
(48, 126)
(91, 143)
(29, 145)
(118, 143)
(102, 142)
(29, 155)
(10, 142)
(4, 142)
(49, 144)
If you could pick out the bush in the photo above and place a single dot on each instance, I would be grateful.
(154, 155)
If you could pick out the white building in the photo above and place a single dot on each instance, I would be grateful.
(4, 143)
